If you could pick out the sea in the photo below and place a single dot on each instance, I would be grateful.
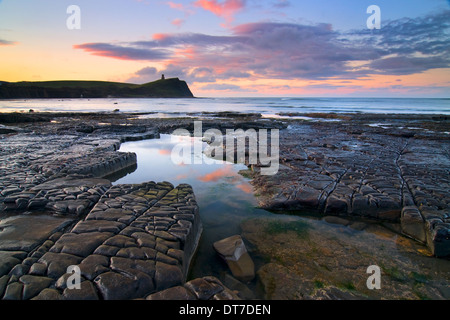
(268, 107)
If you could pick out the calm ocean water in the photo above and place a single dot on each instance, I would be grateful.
(266, 106)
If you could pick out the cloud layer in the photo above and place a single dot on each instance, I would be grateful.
(6, 42)
(289, 51)
(225, 9)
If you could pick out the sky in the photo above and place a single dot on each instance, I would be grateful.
(234, 48)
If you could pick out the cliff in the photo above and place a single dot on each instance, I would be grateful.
(164, 88)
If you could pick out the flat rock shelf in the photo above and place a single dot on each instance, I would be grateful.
(138, 239)
(135, 241)
(57, 210)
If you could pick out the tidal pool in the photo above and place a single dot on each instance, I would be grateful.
(296, 256)
(224, 196)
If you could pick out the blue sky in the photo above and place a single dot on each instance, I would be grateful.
(234, 47)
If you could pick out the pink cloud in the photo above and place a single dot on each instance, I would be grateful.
(186, 9)
(7, 43)
(174, 5)
(225, 9)
(178, 22)
(120, 52)
(160, 36)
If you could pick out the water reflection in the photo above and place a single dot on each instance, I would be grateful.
(225, 172)
(155, 163)
(224, 196)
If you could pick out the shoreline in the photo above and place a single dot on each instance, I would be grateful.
(325, 152)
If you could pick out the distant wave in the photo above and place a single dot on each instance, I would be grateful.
(287, 107)
(242, 105)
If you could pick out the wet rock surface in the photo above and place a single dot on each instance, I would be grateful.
(207, 288)
(136, 241)
(131, 244)
(58, 211)
(351, 169)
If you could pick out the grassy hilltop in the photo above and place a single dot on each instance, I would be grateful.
(168, 88)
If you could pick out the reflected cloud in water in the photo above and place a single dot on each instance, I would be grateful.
(226, 172)
(246, 187)
(155, 164)
(165, 152)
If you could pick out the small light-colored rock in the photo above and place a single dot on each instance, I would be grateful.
(234, 252)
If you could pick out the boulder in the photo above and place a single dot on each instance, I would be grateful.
(413, 224)
(235, 254)
(167, 276)
(178, 293)
(115, 286)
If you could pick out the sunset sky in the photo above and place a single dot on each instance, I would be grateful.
(235, 47)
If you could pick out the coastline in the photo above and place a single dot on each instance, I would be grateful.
(325, 166)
